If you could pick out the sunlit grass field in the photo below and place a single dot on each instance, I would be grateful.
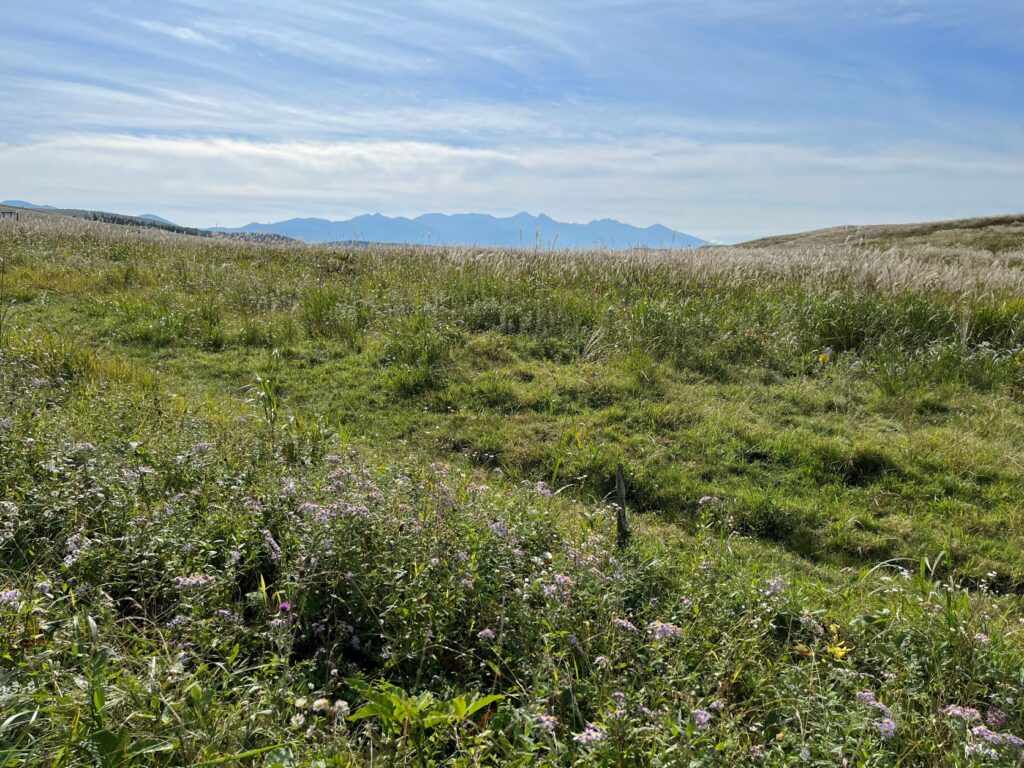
(268, 504)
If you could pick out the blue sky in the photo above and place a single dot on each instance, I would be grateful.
(727, 119)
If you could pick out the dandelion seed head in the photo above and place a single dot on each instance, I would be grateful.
(321, 705)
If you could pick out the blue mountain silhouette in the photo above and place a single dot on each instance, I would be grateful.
(523, 229)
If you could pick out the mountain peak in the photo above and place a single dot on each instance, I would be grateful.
(154, 217)
(23, 204)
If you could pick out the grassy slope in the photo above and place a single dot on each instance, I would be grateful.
(994, 233)
(840, 423)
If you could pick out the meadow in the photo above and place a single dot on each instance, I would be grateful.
(283, 505)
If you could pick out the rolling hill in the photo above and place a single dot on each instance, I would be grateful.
(992, 233)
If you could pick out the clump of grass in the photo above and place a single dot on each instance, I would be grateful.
(418, 352)
(327, 315)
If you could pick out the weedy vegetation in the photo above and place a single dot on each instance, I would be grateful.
(276, 505)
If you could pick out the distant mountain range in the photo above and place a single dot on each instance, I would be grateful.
(23, 204)
(523, 229)
(158, 219)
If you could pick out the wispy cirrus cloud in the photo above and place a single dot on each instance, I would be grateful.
(185, 34)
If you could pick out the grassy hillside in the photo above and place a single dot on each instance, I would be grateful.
(250, 489)
(995, 233)
(135, 223)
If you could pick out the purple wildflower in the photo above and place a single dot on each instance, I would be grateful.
(663, 630)
(705, 500)
(996, 739)
(272, 545)
(561, 586)
(546, 723)
(625, 624)
(967, 714)
(702, 718)
(886, 727)
(8, 521)
(867, 697)
(592, 734)
(77, 543)
(486, 634)
(11, 597)
(284, 607)
(541, 488)
(775, 586)
(996, 717)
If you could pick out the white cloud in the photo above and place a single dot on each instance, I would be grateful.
(697, 187)
(185, 34)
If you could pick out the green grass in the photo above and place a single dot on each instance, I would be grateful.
(823, 463)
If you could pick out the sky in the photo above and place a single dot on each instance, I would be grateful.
(726, 119)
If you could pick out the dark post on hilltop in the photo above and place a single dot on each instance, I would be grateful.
(622, 538)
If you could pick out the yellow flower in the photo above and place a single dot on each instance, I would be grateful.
(839, 650)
